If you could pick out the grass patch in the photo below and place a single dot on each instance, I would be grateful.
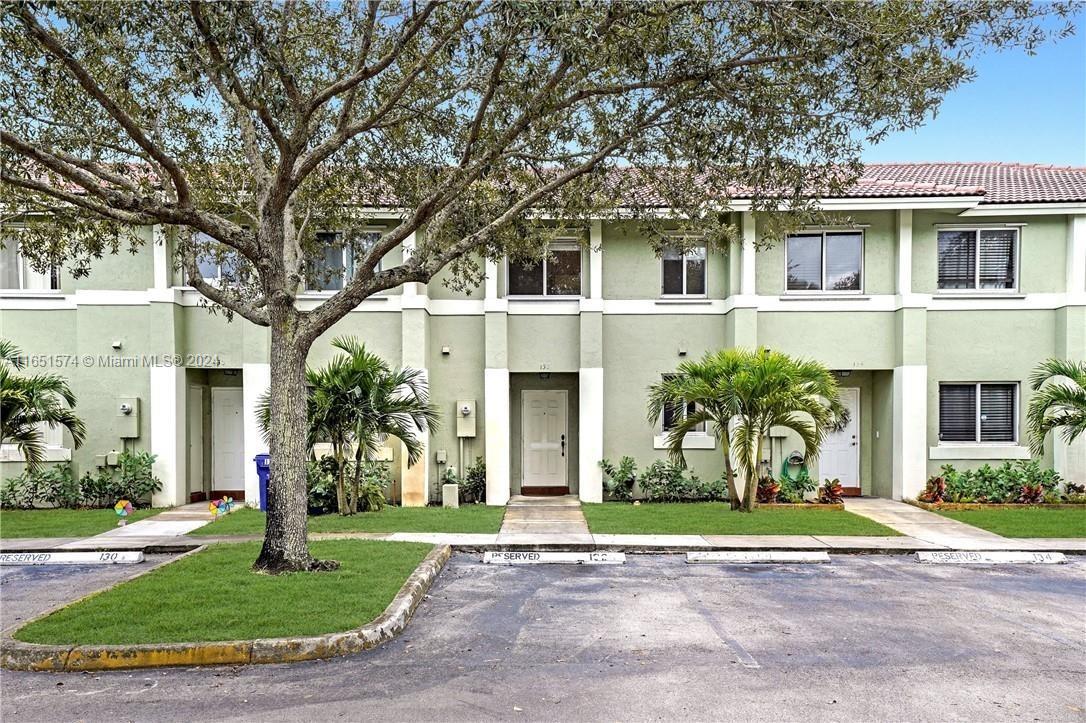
(470, 518)
(62, 523)
(715, 518)
(1026, 521)
(213, 595)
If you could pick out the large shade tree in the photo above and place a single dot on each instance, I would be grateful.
(248, 127)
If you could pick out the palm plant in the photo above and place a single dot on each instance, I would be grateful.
(357, 400)
(744, 394)
(1059, 402)
(28, 402)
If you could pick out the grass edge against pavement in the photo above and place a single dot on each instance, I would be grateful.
(62, 522)
(191, 600)
(1026, 522)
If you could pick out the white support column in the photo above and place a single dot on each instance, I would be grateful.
(167, 409)
(256, 378)
(490, 285)
(161, 257)
(746, 273)
(590, 440)
(910, 431)
(905, 251)
(595, 260)
(1076, 256)
(496, 429)
(411, 288)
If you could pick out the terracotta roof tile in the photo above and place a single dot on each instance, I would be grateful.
(996, 182)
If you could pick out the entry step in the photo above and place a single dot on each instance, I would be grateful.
(516, 557)
(743, 557)
(971, 557)
(70, 558)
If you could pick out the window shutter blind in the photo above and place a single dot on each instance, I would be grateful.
(804, 260)
(997, 258)
(958, 412)
(957, 259)
(997, 413)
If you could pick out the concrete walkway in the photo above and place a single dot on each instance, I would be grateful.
(171, 523)
(929, 527)
(544, 520)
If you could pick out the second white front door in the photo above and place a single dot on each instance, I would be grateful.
(840, 457)
(546, 439)
(228, 439)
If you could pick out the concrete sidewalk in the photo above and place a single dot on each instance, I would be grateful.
(166, 525)
(541, 520)
(929, 527)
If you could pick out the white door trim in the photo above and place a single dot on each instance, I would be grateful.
(563, 397)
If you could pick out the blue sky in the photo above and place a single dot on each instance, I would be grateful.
(1019, 108)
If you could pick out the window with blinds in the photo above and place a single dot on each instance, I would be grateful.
(977, 412)
(675, 413)
(824, 261)
(985, 258)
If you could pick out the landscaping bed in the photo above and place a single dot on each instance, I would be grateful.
(1020, 520)
(469, 518)
(63, 522)
(213, 596)
(716, 518)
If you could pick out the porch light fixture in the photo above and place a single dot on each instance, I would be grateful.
(544, 375)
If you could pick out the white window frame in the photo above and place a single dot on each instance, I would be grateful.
(23, 271)
(53, 449)
(824, 291)
(343, 259)
(559, 244)
(976, 442)
(976, 229)
(686, 295)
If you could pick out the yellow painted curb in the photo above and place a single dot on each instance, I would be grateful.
(18, 655)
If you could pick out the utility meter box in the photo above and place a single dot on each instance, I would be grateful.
(465, 418)
(128, 417)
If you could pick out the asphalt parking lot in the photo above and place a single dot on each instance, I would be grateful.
(863, 638)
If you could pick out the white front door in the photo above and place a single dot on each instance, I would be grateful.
(840, 458)
(227, 441)
(546, 439)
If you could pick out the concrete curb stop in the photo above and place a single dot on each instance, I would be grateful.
(19, 655)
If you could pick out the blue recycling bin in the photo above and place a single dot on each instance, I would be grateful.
(263, 471)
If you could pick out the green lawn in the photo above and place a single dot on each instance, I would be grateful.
(715, 518)
(213, 595)
(62, 523)
(1025, 522)
(469, 518)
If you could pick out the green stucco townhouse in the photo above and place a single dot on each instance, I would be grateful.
(933, 307)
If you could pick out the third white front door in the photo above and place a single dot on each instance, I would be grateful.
(546, 439)
(840, 457)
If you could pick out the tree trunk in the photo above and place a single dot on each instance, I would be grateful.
(729, 473)
(286, 547)
(341, 481)
(357, 476)
(751, 489)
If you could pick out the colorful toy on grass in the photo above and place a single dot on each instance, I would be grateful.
(221, 507)
(123, 508)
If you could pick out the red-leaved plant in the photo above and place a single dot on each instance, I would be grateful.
(830, 492)
(768, 489)
(935, 491)
(1032, 495)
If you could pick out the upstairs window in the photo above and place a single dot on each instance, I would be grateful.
(978, 412)
(683, 272)
(558, 274)
(824, 261)
(16, 273)
(978, 259)
(217, 264)
(335, 266)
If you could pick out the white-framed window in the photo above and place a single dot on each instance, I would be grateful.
(978, 259)
(978, 412)
(673, 414)
(557, 274)
(16, 273)
(824, 261)
(217, 264)
(682, 273)
(336, 266)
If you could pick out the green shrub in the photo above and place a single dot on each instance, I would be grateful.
(137, 481)
(619, 481)
(664, 481)
(376, 478)
(1001, 484)
(795, 489)
(473, 483)
(321, 485)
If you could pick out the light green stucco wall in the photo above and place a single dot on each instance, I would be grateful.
(633, 271)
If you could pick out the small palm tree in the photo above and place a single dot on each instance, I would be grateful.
(1059, 402)
(744, 394)
(357, 400)
(28, 402)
